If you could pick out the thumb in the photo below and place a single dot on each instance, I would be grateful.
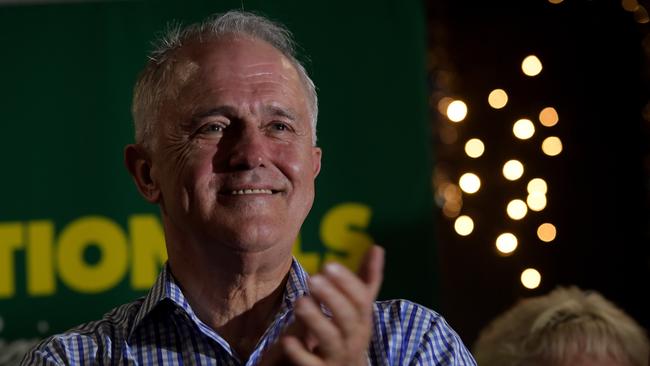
(371, 270)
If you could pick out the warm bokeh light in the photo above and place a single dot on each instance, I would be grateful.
(513, 169)
(552, 146)
(546, 232)
(531, 65)
(469, 183)
(536, 201)
(443, 103)
(464, 225)
(498, 98)
(474, 148)
(451, 209)
(537, 185)
(457, 111)
(531, 278)
(451, 192)
(555, 1)
(506, 243)
(630, 5)
(548, 117)
(517, 209)
(523, 129)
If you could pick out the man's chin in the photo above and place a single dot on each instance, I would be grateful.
(254, 239)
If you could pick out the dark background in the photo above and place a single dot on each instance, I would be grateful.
(595, 75)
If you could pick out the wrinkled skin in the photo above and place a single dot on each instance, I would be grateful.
(241, 121)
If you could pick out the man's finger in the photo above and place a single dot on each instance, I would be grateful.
(371, 270)
(328, 336)
(298, 354)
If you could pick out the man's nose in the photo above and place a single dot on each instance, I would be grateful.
(248, 150)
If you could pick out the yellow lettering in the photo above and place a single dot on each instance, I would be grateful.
(341, 232)
(11, 238)
(309, 261)
(147, 248)
(75, 272)
(40, 262)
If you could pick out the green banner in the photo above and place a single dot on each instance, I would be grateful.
(76, 239)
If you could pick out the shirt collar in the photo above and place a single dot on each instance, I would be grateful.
(166, 289)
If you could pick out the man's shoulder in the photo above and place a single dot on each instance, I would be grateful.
(404, 310)
(85, 340)
(407, 333)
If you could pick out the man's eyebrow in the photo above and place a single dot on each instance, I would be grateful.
(218, 111)
(281, 112)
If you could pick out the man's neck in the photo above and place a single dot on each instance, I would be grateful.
(235, 293)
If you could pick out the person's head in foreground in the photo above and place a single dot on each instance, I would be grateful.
(566, 327)
(225, 129)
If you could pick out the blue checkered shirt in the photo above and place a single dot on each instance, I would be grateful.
(162, 329)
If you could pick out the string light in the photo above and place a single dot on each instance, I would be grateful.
(474, 148)
(552, 146)
(457, 111)
(464, 225)
(548, 117)
(513, 169)
(546, 232)
(537, 185)
(469, 183)
(506, 243)
(523, 129)
(531, 65)
(498, 98)
(531, 278)
(517, 209)
(536, 201)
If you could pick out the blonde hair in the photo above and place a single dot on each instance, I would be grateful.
(565, 323)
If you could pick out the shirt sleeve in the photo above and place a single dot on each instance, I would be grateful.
(410, 334)
(64, 349)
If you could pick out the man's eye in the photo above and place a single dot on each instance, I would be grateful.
(212, 128)
(279, 126)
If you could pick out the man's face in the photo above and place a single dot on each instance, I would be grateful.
(233, 154)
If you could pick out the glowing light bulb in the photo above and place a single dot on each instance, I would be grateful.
(548, 117)
(506, 243)
(469, 183)
(523, 129)
(474, 148)
(552, 146)
(536, 201)
(531, 66)
(537, 185)
(464, 225)
(456, 111)
(517, 209)
(546, 232)
(498, 98)
(531, 278)
(513, 169)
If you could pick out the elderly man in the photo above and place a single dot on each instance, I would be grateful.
(225, 120)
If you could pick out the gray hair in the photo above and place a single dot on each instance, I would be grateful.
(553, 328)
(155, 83)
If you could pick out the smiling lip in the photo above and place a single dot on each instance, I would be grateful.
(249, 191)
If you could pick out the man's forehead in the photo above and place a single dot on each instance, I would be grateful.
(234, 53)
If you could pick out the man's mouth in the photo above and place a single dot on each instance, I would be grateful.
(251, 191)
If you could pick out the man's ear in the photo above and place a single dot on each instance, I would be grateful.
(316, 158)
(137, 161)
